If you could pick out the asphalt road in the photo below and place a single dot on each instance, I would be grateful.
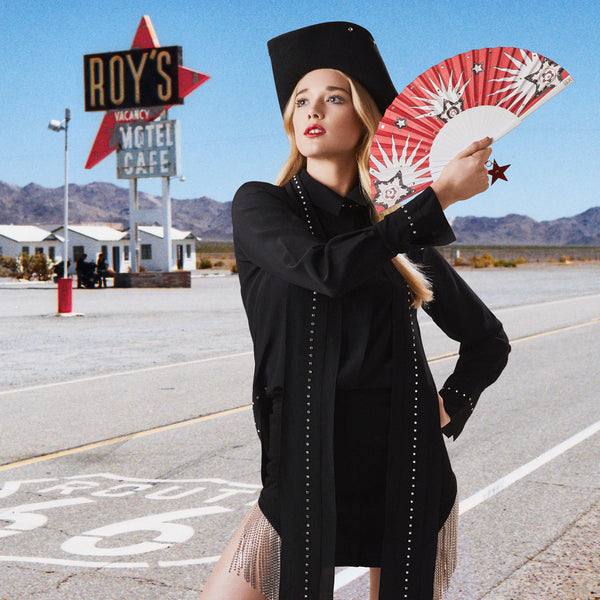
(129, 455)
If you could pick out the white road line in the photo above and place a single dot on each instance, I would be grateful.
(350, 574)
(526, 469)
(347, 576)
(544, 303)
(121, 373)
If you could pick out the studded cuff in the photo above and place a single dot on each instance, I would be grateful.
(459, 406)
(420, 222)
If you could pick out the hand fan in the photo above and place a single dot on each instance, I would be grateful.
(480, 93)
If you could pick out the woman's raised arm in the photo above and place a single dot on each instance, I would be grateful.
(269, 233)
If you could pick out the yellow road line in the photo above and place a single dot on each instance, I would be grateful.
(524, 339)
(121, 438)
(224, 413)
(544, 333)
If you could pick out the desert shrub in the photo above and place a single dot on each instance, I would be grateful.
(219, 263)
(26, 266)
(521, 260)
(40, 267)
(10, 267)
(6, 269)
(459, 261)
(205, 263)
(565, 259)
(504, 263)
(481, 262)
(233, 268)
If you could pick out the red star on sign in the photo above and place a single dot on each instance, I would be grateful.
(106, 138)
(497, 172)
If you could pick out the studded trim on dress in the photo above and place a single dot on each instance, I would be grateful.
(468, 399)
(413, 472)
(258, 555)
(309, 372)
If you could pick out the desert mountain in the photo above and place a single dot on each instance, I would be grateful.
(107, 203)
(211, 220)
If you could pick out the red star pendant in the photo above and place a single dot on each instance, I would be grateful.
(106, 138)
(497, 172)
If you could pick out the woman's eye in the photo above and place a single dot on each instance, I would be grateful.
(335, 99)
(300, 102)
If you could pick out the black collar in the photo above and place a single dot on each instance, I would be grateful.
(326, 199)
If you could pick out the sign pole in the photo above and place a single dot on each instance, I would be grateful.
(66, 199)
(166, 205)
(65, 284)
(133, 230)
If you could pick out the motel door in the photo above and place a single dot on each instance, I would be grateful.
(179, 256)
(116, 259)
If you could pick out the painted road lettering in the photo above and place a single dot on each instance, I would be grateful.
(26, 517)
(170, 533)
(159, 535)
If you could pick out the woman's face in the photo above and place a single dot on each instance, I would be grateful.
(325, 123)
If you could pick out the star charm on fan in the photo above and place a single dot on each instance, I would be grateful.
(496, 171)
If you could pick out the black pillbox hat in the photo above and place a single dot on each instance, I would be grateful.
(336, 45)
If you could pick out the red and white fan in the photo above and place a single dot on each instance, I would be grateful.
(480, 93)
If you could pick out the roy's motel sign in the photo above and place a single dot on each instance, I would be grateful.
(132, 78)
(149, 150)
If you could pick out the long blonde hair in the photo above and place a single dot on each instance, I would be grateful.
(369, 114)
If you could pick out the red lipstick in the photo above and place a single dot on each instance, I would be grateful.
(314, 131)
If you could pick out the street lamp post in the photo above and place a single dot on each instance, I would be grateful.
(65, 287)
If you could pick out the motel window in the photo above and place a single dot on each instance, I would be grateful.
(39, 250)
(51, 253)
(146, 250)
(125, 252)
(78, 252)
(1, 251)
(25, 250)
(188, 251)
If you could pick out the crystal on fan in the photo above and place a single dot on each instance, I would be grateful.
(479, 93)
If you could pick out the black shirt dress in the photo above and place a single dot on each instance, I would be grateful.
(354, 467)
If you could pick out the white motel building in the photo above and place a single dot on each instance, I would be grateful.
(92, 240)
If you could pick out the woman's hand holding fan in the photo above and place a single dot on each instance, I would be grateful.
(465, 175)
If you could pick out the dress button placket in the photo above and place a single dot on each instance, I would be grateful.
(311, 340)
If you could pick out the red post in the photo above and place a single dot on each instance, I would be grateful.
(65, 295)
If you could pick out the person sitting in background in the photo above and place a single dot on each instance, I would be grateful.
(80, 269)
(102, 268)
(59, 270)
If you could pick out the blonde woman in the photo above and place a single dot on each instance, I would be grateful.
(354, 467)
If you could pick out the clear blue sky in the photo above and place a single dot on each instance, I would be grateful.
(231, 126)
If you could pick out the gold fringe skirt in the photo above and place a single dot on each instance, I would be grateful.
(258, 555)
